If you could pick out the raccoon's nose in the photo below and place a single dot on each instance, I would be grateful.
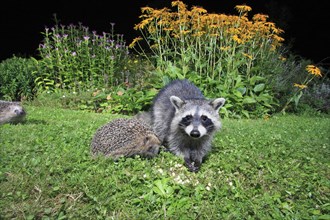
(195, 133)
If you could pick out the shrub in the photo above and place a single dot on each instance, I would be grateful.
(16, 79)
(318, 96)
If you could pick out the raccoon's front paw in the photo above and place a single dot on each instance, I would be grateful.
(192, 165)
(193, 169)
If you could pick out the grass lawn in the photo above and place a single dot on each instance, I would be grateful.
(277, 168)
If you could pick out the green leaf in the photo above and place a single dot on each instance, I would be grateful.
(259, 87)
(242, 90)
(246, 113)
(249, 100)
(237, 94)
(254, 79)
(324, 217)
(160, 187)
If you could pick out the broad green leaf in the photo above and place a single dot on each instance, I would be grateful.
(254, 79)
(249, 100)
(259, 87)
(242, 90)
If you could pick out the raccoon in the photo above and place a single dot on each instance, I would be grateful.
(185, 121)
(144, 116)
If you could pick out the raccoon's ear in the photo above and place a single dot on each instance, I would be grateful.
(176, 102)
(217, 103)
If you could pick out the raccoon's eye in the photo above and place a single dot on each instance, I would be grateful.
(204, 118)
(185, 121)
(187, 118)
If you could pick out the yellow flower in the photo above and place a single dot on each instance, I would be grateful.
(198, 10)
(260, 17)
(314, 70)
(134, 42)
(184, 32)
(180, 4)
(237, 39)
(147, 10)
(300, 86)
(143, 23)
(243, 8)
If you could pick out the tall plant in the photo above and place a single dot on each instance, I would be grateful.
(221, 53)
(73, 57)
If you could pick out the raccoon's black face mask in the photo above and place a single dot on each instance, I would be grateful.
(196, 125)
(197, 117)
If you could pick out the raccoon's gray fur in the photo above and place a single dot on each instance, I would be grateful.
(125, 137)
(145, 116)
(11, 112)
(185, 121)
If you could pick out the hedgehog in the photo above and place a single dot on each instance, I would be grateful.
(11, 112)
(125, 137)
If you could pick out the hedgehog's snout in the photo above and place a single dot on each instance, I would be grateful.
(153, 143)
(154, 148)
(19, 111)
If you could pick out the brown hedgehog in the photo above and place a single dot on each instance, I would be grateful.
(11, 112)
(125, 137)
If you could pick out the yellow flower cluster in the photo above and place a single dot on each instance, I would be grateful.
(198, 23)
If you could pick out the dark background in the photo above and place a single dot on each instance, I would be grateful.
(305, 23)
